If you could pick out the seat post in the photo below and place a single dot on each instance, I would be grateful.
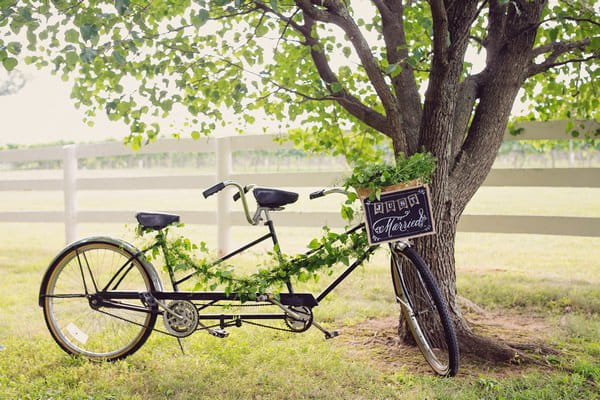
(162, 234)
(271, 226)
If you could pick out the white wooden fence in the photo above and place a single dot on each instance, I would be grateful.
(225, 217)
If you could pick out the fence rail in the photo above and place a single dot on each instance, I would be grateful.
(225, 217)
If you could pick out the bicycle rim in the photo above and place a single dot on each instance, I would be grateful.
(425, 312)
(105, 333)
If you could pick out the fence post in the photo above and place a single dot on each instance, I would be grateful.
(224, 169)
(70, 191)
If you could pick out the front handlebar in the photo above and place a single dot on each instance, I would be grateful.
(240, 194)
(213, 189)
(325, 192)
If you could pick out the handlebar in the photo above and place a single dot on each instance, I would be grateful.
(325, 192)
(213, 189)
(237, 196)
(240, 194)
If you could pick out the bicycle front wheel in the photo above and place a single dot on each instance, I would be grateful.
(75, 320)
(425, 311)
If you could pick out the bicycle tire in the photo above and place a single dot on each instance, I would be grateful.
(419, 297)
(66, 297)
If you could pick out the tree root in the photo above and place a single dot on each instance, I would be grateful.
(496, 351)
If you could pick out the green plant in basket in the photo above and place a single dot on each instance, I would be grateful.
(419, 166)
(370, 179)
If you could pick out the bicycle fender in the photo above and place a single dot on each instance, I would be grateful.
(147, 265)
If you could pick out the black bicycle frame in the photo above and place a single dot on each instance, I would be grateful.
(110, 299)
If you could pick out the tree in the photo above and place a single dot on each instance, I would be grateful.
(352, 74)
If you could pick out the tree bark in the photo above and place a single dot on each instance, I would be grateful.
(465, 156)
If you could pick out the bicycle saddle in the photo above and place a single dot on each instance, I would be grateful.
(156, 220)
(274, 198)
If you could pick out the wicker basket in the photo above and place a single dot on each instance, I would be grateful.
(365, 192)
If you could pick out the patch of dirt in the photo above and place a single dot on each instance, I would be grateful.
(377, 341)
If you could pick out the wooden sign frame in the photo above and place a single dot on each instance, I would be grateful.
(399, 214)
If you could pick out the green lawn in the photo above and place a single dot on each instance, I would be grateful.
(551, 282)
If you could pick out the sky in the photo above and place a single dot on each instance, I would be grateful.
(42, 112)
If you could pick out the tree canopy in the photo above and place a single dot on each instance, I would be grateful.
(329, 66)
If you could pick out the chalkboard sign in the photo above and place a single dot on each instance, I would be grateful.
(399, 214)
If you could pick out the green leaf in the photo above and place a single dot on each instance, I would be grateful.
(200, 19)
(88, 32)
(122, 6)
(262, 31)
(119, 58)
(88, 55)
(314, 244)
(72, 58)
(14, 48)
(195, 135)
(393, 70)
(336, 87)
(553, 34)
(10, 63)
(72, 36)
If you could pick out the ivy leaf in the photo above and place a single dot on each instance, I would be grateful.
(314, 244)
(10, 63)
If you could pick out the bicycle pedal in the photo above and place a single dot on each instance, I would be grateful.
(331, 335)
(220, 333)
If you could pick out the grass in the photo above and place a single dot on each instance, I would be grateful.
(515, 277)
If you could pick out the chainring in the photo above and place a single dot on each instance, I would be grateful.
(185, 322)
(298, 325)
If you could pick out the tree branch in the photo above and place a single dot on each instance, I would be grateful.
(556, 50)
(465, 101)
(441, 39)
(405, 85)
(337, 14)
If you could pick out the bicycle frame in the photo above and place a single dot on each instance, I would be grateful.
(110, 299)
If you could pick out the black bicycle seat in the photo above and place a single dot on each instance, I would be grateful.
(274, 198)
(156, 220)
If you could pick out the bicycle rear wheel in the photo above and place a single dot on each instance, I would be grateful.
(74, 319)
(425, 311)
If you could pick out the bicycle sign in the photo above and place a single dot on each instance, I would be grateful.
(399, 214)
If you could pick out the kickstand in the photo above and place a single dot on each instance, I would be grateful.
(180, 346)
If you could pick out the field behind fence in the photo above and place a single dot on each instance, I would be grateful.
(75, 184)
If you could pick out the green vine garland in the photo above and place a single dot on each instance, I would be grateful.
(183, 255)
(332, 248)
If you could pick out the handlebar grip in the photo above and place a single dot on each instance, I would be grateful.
(237, 195)
(318, 193)
(213, 189)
